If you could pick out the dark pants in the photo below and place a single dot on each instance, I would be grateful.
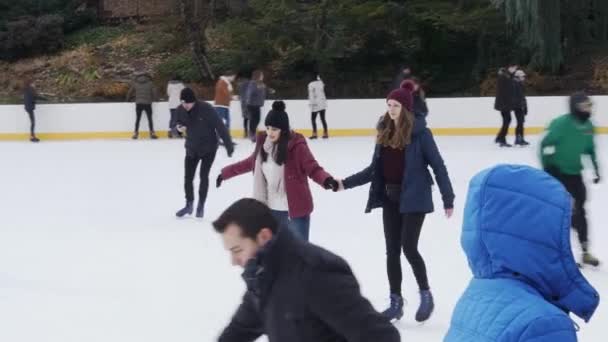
(173, 123)
(139, 108)
(300, 226)
(314, 121)
(575, 185)
(30, 113)
(254, 119)
(506, 122)
(245, 127)
(401, 232)
(191, 162)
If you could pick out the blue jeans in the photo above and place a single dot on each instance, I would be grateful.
(224, 114)
(300, 226)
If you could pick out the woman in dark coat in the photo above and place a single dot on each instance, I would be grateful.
(29, 102)
(401, 186)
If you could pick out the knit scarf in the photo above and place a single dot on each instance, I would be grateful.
(260, 184)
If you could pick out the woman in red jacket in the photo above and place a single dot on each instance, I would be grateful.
(281, 164)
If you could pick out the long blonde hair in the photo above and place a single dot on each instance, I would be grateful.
(396, 136)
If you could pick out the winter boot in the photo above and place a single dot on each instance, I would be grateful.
(519, 140)
(200, 210)
(589, 259)
(395, 311)
(426, 306)
(187, 210)
(135, 135)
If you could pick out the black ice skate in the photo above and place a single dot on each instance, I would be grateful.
(187, 210)
(519, 140)
(395, 311)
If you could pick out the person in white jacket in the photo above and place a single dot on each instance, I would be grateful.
(174, 89)
(318, 105)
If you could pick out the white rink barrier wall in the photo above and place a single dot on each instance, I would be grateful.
(448, 116)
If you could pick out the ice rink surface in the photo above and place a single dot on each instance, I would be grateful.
(90, 250)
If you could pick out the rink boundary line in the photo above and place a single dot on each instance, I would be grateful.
(464, 131)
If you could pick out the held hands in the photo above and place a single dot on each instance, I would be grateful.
(181, 129)
(597, 179)
(331, 183)
(219, 180)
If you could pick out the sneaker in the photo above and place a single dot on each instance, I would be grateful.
(187, 210)
(135, 136)
(325, 136)
(313, 137)
(395, 310)
(200, 210)
(153, 136)
(426, 306)
(34, 139)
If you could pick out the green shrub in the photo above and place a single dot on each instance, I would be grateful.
(181, 65)
(97, 35)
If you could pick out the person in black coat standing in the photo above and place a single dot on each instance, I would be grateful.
(29, 102)
(203, 125)
(510, 97)
(296, 291)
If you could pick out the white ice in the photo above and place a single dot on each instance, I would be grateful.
(90, 249)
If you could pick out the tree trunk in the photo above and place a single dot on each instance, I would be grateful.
(191, 14)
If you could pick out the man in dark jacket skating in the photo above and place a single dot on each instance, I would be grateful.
(314, 297)
(203, 125)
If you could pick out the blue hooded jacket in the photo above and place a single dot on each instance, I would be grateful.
(516, 235)
(416, 191)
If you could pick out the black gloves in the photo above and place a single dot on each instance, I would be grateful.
(331, 183)
(230, 149)
(597, 178)
(219, 180)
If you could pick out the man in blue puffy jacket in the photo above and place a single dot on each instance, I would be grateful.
(516, 236)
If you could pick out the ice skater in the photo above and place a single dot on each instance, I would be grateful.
(568, 138)
(510, 97)
(516, 236)
(401, 186)
(174, 90)
(318, 106)
(29, 102)
(296, 291)
(223, 96)
(281, 165)
(144, 92)
(202, 126)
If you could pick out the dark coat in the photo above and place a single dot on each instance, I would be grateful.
(519, 97)
(256, 94)
(29, 98)
(297, 291)
(203, 125)
(420, 107)
(416, 192)
(504, 91)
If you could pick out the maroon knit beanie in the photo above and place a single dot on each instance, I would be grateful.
(403, 95)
